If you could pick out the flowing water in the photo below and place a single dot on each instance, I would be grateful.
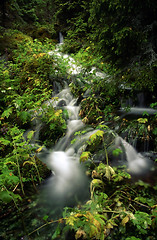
(61, 39)
(137, 164)
(68, 184)
(69, 180)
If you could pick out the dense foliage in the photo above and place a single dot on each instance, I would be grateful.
(116, 38)
(121, 32)
(26, 83)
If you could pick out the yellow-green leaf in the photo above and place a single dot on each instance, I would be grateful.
(109, 225)
(30, 134)
(142, 120)
(96, 182)
(94, 136)
(107, 174)
(80, 234)
(28, 162)
(3, 141)
(84, 156)
(39, 149)
(125, 220)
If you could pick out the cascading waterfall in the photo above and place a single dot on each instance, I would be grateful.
(63, 160)
(136, 162)
(68, 183)
(68, 179)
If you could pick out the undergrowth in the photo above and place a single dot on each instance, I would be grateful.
(27, 76)
(118, 208)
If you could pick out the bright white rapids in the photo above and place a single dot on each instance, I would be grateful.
(69, 176)
(68, 180)
(136, 162)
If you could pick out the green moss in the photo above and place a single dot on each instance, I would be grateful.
(10, 39)
(43, 32)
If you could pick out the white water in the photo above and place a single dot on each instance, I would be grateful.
(73, 67)
(69, 177)
(61, 39)
(137, 164)
(137, 111)
(68, 174)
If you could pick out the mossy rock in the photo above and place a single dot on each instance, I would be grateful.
(29, 171)
(42, 33)
(10, 39)
(43, 169)
(72, 47)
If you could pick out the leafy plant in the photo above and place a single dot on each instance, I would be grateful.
(13, 164)
(112, 211)
(54, 125)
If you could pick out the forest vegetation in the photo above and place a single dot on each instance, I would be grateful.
(117, 38)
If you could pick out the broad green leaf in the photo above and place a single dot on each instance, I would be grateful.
(5, 196)
(148, 201)
(56, 233)
(116, 152)
(73, 141)
(45, 217)
(142, 221)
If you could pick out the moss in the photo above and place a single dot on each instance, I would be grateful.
(43, 169)
(10, 39)
(42, 32)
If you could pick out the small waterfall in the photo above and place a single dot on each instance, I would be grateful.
(69, 179)
(61, 39)
(136, 108)
(136, 162)
(68, 175)
(136, 105)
